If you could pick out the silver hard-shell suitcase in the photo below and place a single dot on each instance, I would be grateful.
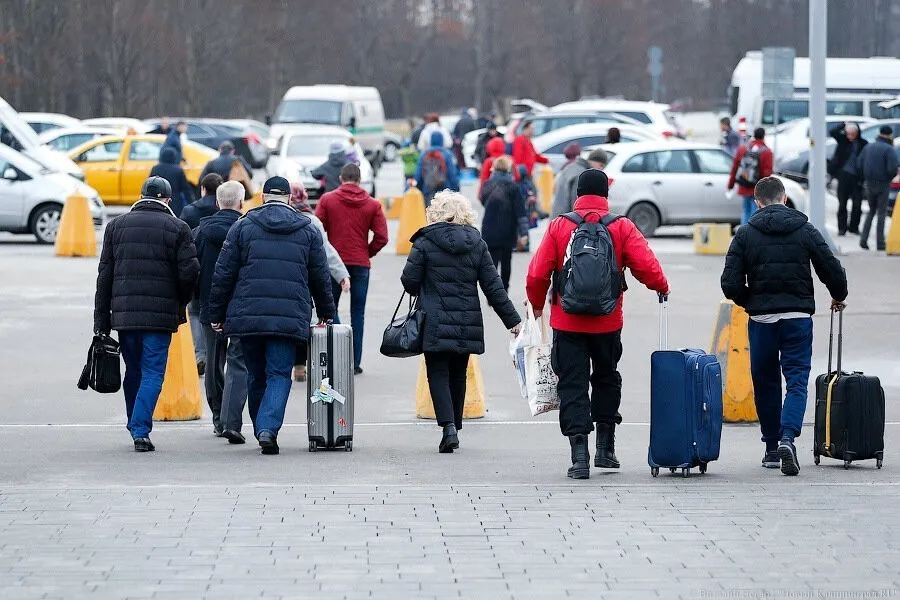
(329, 398)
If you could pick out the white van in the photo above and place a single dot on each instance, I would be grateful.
(18, 135)
(357, 109)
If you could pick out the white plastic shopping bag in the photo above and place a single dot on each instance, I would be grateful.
(532, 359)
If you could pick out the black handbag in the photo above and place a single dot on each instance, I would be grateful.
(403, 337)
(102, 372)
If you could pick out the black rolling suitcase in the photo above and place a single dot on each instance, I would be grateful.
(849, 411)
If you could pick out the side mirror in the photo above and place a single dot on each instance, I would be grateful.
(10, 174)
(269, 120)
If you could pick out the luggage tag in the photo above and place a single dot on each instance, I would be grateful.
(327, 394)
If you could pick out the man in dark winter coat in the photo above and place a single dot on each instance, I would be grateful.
(226, 390)
(505, 223)
(173, 140)
(767, 273)
(146, 277)
(329, 172)
(272, 261)
(878, 165)
(169, 169)
(586, 348)
(843, 167)
(222, 164)
(481, 145)
(206, 205)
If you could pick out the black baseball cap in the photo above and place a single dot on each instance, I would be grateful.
(277, 186)
(156, 187)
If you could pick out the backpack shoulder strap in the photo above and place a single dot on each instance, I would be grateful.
(574, 217)
(610, 219)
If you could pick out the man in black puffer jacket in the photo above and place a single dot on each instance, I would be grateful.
(272, 260)
(767, 272)
(505, 223)
(226, 390)
(146, 277)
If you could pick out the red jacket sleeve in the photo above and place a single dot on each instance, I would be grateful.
(519, 151)
(485, 172)
(540, 158)
(766, 160)
(379, 228)
(638, 257)
(734, 165)
(541, 269)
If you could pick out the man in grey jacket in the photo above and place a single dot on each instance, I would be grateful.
(878, 164)
(564, 195)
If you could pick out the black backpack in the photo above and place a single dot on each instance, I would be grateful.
(590, 281)
(748, 168)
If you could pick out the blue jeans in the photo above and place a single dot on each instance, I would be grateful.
(145, 354)
(359, 290)
(749, 208)
(776, 349)
(270, 361)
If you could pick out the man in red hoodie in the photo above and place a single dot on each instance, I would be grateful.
(523, 151)
(348, 215)
(587, 349)
(751, 163)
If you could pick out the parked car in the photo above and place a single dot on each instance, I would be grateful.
(212, 132)
(116, 166)
(676, 183)
(870, 132)
(302, 148)
(792, 138)
(15, 133)
(63, 139)
(32, 197)
(553, 143)
(122, 124)
(42, 122)
(653, 114)
(552, 120)
(392, 145)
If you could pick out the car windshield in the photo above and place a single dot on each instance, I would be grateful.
(310, 145)
(323, 112)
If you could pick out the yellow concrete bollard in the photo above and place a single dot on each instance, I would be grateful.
(893, 237)
(544, 184)
(180, 399)
(394, 207)
(731, 346)
(254, 202)
(712, 238)
(474, 406)
(412, 218)
(75, 236)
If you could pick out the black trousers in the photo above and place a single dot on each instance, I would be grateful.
(877, 192)
(447, 384)
(502, 258)
(583, 360)
(849, 188)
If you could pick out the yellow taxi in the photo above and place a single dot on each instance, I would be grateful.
(117, 165)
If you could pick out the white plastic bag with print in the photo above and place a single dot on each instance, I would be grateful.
(532, 358)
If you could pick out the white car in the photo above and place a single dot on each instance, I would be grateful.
(553, 143)
(653, 114)
(791, 138)
(63, 139)
(32, 196)
(120, 124)
(677, 183)
(18, 135)
(42, 122)
(302, 148)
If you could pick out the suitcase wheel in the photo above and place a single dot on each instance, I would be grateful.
(348, 446)
(654, 471)
(702, 468)
(816, 459)
(878, 463)
(685, 472)
(313, 446)
(846, 464)
(672, 469)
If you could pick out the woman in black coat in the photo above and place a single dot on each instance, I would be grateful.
(447, 262)
(505, 222)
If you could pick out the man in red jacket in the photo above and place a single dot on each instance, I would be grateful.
(747, 173)
(348, 215)
(523, 151)
(587, 349)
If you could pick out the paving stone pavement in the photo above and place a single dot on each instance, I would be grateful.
(515, 542)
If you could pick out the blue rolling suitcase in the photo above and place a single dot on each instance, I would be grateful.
(685, 405)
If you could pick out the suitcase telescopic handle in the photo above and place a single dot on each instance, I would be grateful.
(663, 321)
(840, 341)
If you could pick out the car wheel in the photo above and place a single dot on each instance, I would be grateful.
(646, 218)
(45, 223)
(390, 152)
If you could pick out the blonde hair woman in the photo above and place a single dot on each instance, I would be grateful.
(448, 262)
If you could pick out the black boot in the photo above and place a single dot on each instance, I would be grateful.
(606, 447)
(581, 456)
(450, 441)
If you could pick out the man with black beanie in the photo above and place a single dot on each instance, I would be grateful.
(587, 344)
